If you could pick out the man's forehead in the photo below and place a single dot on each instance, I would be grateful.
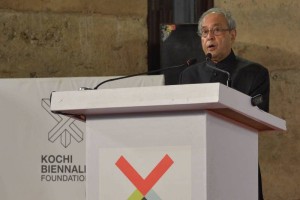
(212, 25)
(214, 19)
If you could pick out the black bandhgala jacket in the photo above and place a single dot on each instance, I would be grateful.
(247, 77)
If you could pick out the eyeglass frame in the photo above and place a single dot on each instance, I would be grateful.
(213, 31)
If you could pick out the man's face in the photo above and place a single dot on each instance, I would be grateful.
(218, 45)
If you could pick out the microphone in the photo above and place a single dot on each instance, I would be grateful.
(256, 100)
(186, 64)
(211, 65)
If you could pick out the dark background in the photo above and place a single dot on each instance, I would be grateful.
(183, 43)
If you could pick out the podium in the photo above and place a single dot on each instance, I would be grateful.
(197, 141)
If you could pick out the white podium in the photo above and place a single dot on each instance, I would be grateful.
(177, 142)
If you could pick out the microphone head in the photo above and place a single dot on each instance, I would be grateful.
(208, 56)
(191, 61)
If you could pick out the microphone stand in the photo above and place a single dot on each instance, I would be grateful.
(138, 74)
(209, 64)
(188, 63)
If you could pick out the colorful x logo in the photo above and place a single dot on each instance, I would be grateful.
(143, 186)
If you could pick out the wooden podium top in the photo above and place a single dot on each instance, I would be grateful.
(214, 97)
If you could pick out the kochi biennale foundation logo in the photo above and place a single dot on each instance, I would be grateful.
(60, 168)
(65, 129)
(143, 186)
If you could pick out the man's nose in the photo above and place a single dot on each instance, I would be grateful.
(210, 35)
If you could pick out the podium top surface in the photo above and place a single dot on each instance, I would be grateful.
(214, 97)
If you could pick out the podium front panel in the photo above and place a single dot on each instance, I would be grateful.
(169, 155)
(145, 140)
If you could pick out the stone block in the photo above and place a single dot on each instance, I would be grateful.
(104, 7)
(56, 45)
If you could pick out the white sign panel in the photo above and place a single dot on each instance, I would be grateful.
(43, 154)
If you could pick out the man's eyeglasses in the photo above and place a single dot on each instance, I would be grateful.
(216, 31)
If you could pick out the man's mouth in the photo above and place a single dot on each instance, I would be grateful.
(211, 47)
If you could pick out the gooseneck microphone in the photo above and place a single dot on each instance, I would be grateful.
(211, 65)
(186, 64)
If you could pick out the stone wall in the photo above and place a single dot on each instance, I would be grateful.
(72, 38)
(268, 33)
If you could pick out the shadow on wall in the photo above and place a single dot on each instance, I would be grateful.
(271, 57)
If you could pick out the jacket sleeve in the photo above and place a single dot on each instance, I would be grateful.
(261, 85)
(253, 79)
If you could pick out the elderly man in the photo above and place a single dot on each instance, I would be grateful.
(217, 30)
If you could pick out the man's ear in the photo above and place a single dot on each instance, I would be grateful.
(233, 35)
